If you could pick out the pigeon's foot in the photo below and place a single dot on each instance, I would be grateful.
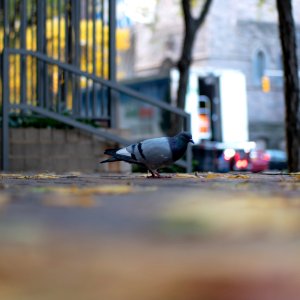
(155, 174)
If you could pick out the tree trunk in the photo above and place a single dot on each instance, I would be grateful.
(191, 26)
(291, 83)
(184, 65)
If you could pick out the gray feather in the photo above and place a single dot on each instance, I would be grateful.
(153, 153)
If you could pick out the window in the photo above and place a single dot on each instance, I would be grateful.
(280, 62)
(259, 66)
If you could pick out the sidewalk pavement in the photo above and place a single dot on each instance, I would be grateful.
(108, 236)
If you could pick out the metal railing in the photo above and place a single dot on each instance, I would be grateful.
(79, 33)
(52, 109)
(58, 60)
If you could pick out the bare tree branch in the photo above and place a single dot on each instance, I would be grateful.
(203, 13)
(186, 7)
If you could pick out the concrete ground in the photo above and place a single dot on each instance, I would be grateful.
(200, 236)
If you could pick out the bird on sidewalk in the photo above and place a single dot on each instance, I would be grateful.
(152, 153)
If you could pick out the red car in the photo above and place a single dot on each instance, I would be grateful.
(239, 160)
(259, 161)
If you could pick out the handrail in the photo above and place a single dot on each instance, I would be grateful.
(69, 121)
(108, 83)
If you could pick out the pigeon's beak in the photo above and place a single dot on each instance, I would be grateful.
(191, 141)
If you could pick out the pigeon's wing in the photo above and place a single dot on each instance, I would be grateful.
(127, 154)
(154, 153)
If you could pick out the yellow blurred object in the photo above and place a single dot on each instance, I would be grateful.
(55, 48)
(236, 215)
(265, 84)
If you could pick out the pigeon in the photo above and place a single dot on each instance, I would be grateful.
(152, 153)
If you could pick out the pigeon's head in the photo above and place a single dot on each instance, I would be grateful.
(186, 137)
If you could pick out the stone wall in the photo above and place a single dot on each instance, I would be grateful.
(59, 150)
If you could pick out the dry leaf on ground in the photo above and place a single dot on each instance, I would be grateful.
(84, 197)
(24, 176)
(93, 190)
(295, 176)
(11, 175)
(214, 175)
(185, 175)
(237, 216)
(226, 176)
(237, 176)
(69, 200)
(4, 199)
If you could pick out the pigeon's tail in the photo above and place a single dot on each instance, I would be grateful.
(109, 160)
(111, 152)
(119, 157)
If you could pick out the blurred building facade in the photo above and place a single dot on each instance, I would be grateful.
(241, 35)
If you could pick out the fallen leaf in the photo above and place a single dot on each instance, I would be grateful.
(83, 191)
(238, 176)
(295, 175)
(213, 175)
(11, 175)
(4, 199)
(185, 175)
(42, 176)
(69, 200)
(24, 176)
(80, 196)
(290, 185)
(235, 216)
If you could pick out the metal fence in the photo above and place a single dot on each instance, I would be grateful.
(80, 33)
(58, 59)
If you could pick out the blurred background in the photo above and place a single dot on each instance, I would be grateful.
(78, 77)
(63, 55)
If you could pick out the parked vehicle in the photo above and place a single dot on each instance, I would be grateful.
(217, 102)
(259, 161)
(277, 159)
(244, 160)
(218, 157)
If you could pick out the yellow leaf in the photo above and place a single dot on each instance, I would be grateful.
(296, 175)
(184, 175)
(42, 176)
(11, 175)
(94, 190)
(238, 176)
(69, 200)
(22, 176)
(236, 216)
(213, 175)
(83, 197)
(4, 199)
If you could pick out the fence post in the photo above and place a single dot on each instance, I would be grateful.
(5, 111)
(189, 153)
(41, 47)
(112, 95)
(23, 46)
(75, 49)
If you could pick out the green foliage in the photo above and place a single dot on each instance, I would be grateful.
(36, 121)
(261, 2)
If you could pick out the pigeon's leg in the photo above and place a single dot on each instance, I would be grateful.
(160, 176)
(155, 174)
(152, 174)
